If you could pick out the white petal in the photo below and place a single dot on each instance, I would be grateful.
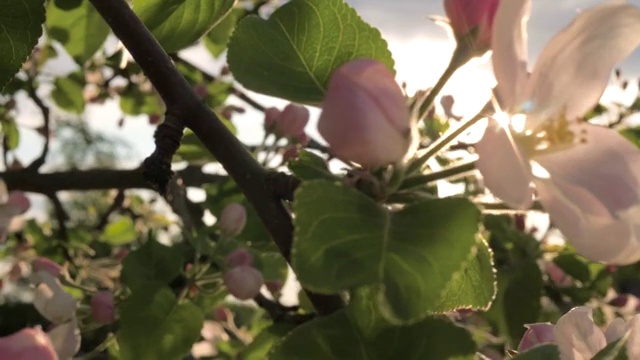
(598, 238)
(509, 44)
(633, 342)
(593, 194)
(66, 339)
(506, 173)
(574, 67)
(578, 338)
(615, 330)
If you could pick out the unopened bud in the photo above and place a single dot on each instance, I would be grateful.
(243, 282)
(239, 257)
(539, 333)
(292, 121)
(468, 15)
(233, 219)
(364, 117)
(102, 307)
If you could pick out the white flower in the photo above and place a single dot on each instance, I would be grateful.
(587, 177)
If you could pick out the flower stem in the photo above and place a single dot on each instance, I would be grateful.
(451, 171)
(461, 55)
(446, 139)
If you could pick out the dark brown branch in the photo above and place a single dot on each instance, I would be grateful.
(97, 179)
(44, 109)
(183, 103)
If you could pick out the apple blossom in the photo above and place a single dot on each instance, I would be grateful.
(578, 338)
(365, 117)
(51, 300)
(586, 177)
(467, 15)
(233, 219)
(27, 344)
(243, 282)
(102, 307)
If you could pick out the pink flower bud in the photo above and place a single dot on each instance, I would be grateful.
(243, 282)
(619, 301)
(155, 119)
(102, 307)
(291, 153)
(364, 115)
(538, 333)
(19, 202)
(233, 219)
(48, 265)
(220, 313)
(467, 15)
(239, 257)
(274, 286)
(557, 275)
(201, 90)
(271, 116)
(28, 343)
(292, 121)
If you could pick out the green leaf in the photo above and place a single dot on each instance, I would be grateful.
(309, 166)
(541, 352)
(475, 286)
(21, 25)
(81, 30)
(134, 102)
(272, 265)
(519, 279)
(177, 24)
(336, 337)
(616, 350)
(217, 39)
(153, 262)
(293, 53)
(413, 252)
(260, 346)
(154, 325)
(11, 134)
(67, 92)
(120, 232)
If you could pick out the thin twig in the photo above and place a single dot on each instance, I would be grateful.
(117, 203)
(44, 109)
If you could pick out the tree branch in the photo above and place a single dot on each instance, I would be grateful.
(184, 104)
(97, 179)
(44, 109)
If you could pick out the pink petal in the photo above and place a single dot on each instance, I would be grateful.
(578, 338)
(593, 195)
(574, 67)
(509, 44)
(536, 334)
(66, 339)
(27, 344)
(615, 330)
(506, 173)
(633, 341)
